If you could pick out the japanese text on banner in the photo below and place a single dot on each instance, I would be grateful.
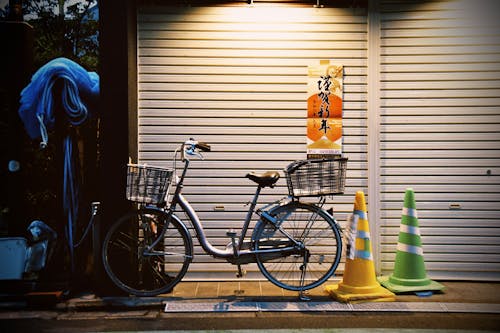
(324, 110)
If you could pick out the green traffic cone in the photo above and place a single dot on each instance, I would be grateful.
(409, 268)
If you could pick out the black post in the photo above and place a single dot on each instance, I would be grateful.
(118, 71)
(17, 66)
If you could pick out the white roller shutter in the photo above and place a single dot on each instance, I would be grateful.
(236, 77)
(440, 132)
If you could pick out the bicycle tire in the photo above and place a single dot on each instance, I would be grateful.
(309, 225)
(153, 274)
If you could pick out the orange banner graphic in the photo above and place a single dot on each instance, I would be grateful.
(324, 110)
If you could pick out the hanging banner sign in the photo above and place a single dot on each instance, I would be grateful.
(324, 110)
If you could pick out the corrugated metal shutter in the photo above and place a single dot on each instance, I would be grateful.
(440, 132)
(236, 77)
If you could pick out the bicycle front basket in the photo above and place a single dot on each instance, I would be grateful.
(146, 184)
(316, 177)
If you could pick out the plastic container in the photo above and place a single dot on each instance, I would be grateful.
(12, 258)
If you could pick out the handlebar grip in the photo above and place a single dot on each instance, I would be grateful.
(203, 146)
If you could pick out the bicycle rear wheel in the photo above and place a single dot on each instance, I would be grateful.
(146, 273)
(318, 241)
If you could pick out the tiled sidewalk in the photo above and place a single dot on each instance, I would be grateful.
(455, 292)
(262, 296)
(236, 289)
(259, 305)
(262, 292)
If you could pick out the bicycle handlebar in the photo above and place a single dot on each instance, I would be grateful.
(192, 147)
(203, 146)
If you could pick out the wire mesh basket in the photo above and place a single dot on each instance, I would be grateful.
(146, 184)
(318, 177)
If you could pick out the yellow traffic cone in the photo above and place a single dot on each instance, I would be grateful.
(359, 283)
(409, 268)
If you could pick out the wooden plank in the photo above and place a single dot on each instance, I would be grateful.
(441, 40)
(447, 240)
(441, 128)
(444, 32)
(458, 137)
(459, 25)
(441, 162)
(441, 93)
(450, 153)
(229, 122)
(449, 50)
(252, 26)
(160, 73)
(158, 67)
(210, 104)
(439, 76)
(432, 188)
(442, 180)
(202, 45)
(423, 143)
(447, 67)
(447, 119)
(238, 113)
(486, 258)
(475, 267)
(393, 209)
(440, 171)
(249, 35)
(236, 96)
(441, 111)
(391, 226)
(251, 53)
(437, 59)
(245, 14)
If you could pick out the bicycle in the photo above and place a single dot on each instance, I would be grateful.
(296, 245)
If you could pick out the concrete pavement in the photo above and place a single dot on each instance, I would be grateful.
(253, 305)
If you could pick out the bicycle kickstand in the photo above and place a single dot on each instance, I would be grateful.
(302, 296)
(233, 235)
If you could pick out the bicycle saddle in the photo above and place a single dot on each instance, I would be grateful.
(268, 178)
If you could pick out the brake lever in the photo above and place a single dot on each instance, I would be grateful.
(192, 152)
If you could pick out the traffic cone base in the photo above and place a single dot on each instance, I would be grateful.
(359, 284)
(398, 285)
(349, 294)
(409, 282)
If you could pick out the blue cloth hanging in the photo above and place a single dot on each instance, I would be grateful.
(80, 91)
(79, 94)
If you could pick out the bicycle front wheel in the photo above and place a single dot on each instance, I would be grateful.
(315, 235)
(137, 270)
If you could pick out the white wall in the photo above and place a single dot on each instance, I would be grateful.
(236, 77)
(440, 132)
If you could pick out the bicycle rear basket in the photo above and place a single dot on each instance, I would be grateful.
(318, 177)
(146, 184)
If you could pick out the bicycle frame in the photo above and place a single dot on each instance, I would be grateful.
(200, 233)
(236, 255)
(287, 243)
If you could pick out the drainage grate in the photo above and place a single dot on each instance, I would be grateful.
(472, 307)
(177, 307)
(211, 307)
